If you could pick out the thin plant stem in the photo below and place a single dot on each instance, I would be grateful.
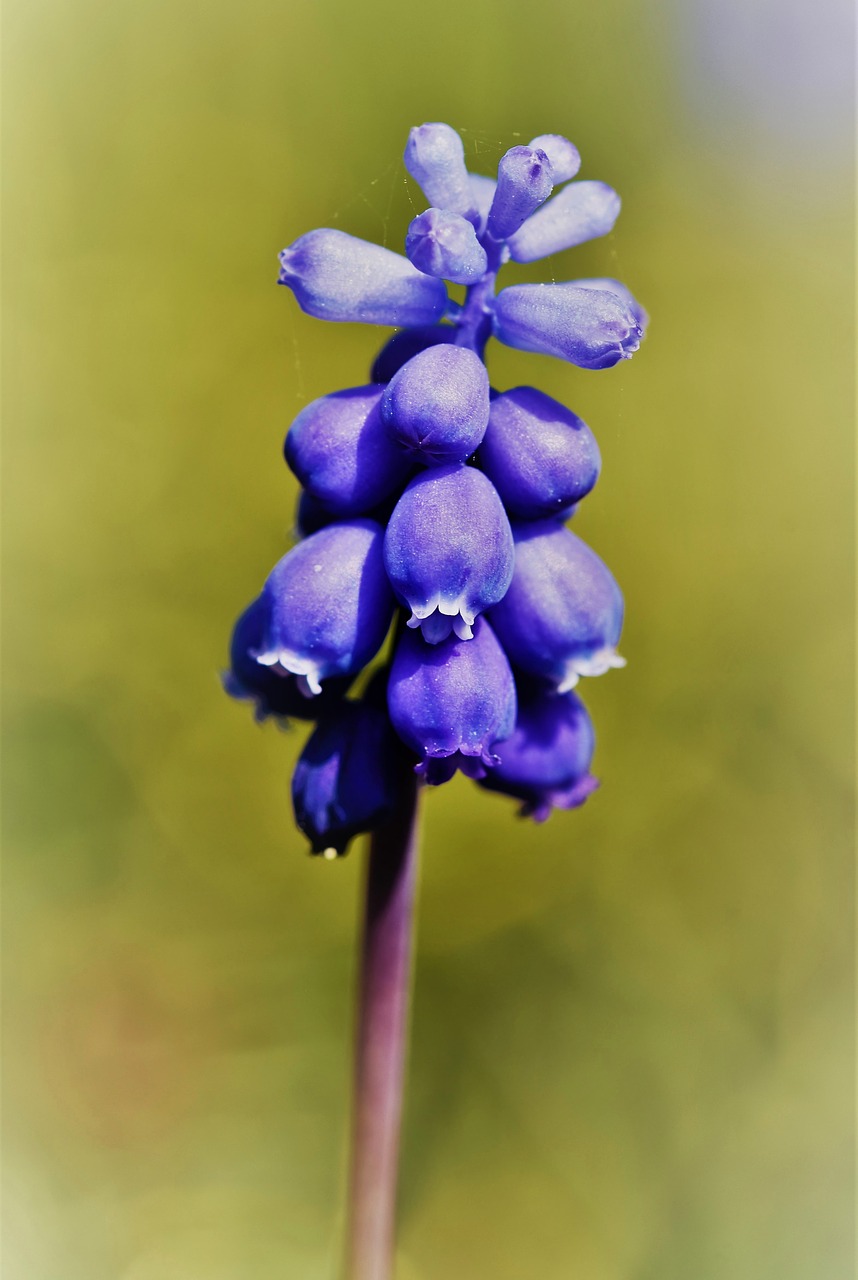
(383, 1002)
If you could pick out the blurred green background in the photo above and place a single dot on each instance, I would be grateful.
(633, 1026)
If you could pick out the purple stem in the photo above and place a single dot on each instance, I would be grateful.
(385, 986)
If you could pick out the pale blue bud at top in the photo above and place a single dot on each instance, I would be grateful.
(448, 550)
(330, 604)
(582, 211)
(445, 245)
(545, 762)
(435, 158)
(349, 776)
(399, 349)
(622, 293)
(564, 157)
(452, 702)
(341, 451)
(437, 405)
(335, 276)
(539, 455)
(524, 181)
(562, 615)
(592, 328)
(273, 693)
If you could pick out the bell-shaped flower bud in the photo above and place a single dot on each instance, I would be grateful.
(437, 405)
(524, 182)
(622, 293)
(335, 276)
(562, 615)
(272, 691)
(311, 515)
(330, 604)
(349, 776)
(539, 455)
(341, 451)
(592, 328)
(452, 702)
(405, 344)
(448, 550)
(564, 157)
(445, 245)
(435, 158)
(545, 762)
(482, 194)
(582, 211)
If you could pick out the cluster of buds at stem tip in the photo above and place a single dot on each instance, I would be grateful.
(433, 508)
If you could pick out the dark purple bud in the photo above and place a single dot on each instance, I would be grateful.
(330, 604)
(540, 457)
(311, 515)
(448, 550)
(272, 692)
(445, 245)
(582, 211)
(349, 776)
(341, 451)
(399, 349)
(437, 405)
(335, 276)
(545, 762)
(524, 181)
(619, 291)
(562, 615)
(435, 158)
(564, 157)
(592, 328)
(452, 702)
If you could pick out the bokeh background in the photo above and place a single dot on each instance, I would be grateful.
(633, 1027)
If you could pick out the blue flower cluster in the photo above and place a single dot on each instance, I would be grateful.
(437, 504)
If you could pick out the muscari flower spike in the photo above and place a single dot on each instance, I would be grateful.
(434, 502)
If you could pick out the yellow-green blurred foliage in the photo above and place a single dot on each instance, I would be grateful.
(632, 1036)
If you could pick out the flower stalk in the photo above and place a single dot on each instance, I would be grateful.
(381, 1043)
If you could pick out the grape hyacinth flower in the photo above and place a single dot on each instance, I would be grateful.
(431, 530)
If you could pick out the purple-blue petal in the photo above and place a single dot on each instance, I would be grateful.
(448, 550)
(437, 405)
(563, 613)
(335, 276)
(580, 212)
(524, 182)
(591, 328)
(435, 158)
(330, 604)
(539, 455)
(342, 453)
(545, 762)
(452, 702)
(564, 157)
(445, 245)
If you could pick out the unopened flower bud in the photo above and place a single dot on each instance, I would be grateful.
(405, 344)
(445, 245)
(448, 550)
(580, 212)
(564, 157)
(592, 328)
(335, 276)
(540, 457)
(341, 451)
(562, 615)
(437, 405)
(435, 158)
(524, 182)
